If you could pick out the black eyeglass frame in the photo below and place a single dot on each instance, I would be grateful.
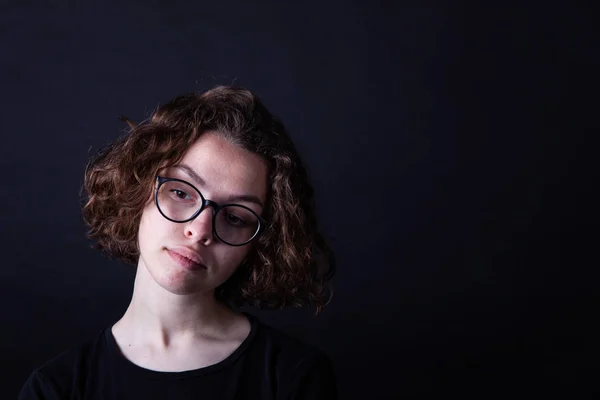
(208, 203)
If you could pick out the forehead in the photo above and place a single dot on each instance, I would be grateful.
(226, 168)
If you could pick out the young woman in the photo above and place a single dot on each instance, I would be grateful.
(211, 202)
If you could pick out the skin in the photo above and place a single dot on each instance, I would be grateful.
(174, 322)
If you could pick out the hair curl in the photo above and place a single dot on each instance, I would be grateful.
(291, 263)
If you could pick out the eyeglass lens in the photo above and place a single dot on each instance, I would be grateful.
(234, 224)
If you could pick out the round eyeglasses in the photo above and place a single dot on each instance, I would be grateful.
(233, 224)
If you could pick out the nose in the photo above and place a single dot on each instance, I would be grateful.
(201, 228)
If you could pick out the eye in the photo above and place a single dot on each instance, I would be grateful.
(179, 194)
(235, 220)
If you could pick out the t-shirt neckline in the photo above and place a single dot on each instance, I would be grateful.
(122, 361)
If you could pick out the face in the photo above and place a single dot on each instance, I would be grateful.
(186, 258)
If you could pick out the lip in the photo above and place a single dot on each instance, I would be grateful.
(186, 258)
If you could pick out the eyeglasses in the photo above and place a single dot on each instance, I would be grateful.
(179, 201)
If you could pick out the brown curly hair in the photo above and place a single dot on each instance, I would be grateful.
(291, 263)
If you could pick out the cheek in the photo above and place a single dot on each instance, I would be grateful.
(152, 227)
(231, 258)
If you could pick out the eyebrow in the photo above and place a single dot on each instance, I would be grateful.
(237, 197)
(191, 173)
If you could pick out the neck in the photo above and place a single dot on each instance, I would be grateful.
(161, 317)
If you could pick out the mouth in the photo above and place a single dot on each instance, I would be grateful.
(186, 261)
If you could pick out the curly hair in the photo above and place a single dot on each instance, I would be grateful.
(291, 263)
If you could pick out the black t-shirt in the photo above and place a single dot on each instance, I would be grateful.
(268, 365)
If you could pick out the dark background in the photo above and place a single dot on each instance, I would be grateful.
(446, 145)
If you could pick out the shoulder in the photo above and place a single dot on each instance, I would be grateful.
(57, 376)
(77, 357)
(302, 370)
(284, 346)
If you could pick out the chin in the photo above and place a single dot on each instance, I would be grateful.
(176, 280)
(183, 290)
(175, 285)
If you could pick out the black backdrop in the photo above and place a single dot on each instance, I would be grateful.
(445, 145)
